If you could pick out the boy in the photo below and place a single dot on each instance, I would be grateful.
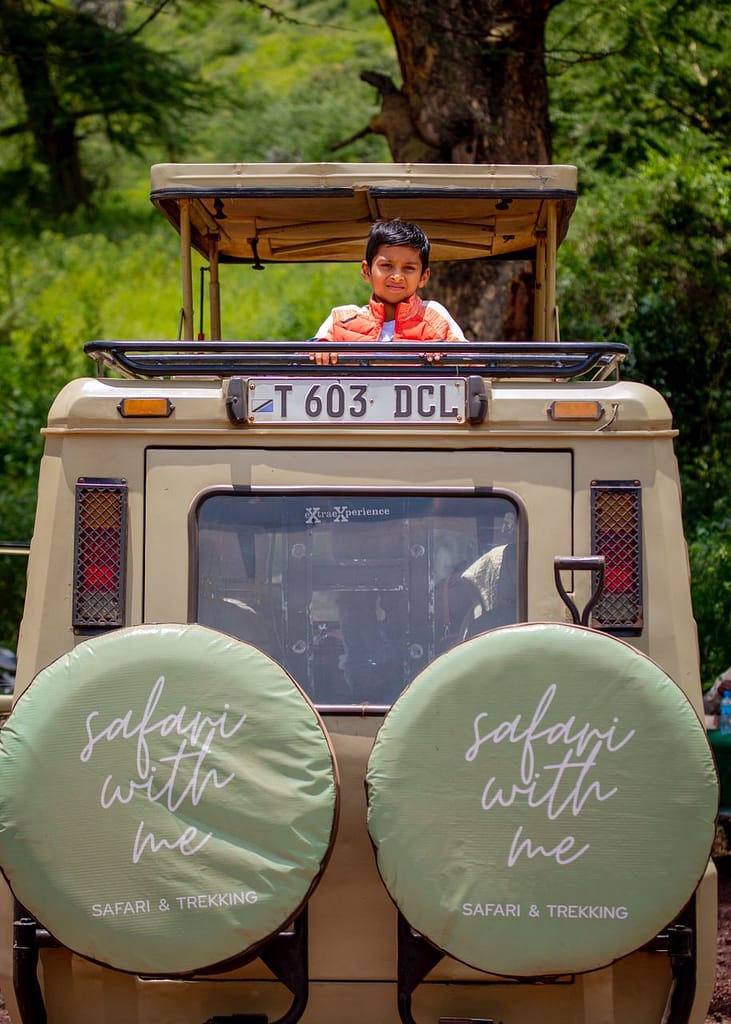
(396, 264)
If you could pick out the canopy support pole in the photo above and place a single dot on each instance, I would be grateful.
(214, 291)
(186, 270)
(551, 250)
(539, 297)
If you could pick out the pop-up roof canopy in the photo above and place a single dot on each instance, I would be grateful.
(322, 212)
(293, 213)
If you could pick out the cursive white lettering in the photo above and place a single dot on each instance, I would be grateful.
(520, 845)
(181, 843)
(193, 729)
(557, 786)
(169, 779)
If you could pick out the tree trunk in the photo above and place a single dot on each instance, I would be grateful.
(52, 127)
(474, 91)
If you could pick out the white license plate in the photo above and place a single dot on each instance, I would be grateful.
(367, 400)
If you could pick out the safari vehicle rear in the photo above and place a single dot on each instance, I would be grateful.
(365, 692)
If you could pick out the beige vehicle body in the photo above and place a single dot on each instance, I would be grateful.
(542, 439)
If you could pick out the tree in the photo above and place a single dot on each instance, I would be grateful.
(628, 82)
(474, 90)
(74, 71)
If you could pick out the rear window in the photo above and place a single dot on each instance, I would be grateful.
(355, 595)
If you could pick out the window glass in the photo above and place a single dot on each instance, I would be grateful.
(354, 595)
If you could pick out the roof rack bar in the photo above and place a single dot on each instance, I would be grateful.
(236, 358)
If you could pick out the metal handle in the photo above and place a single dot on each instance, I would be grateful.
(590, 563)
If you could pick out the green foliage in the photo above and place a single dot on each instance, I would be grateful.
(205, 81)
(95, 286)
(32, 372)
(710, 554)
(641, 99)
(73, 77)
(44, 362)
(629, 80)
(289, 88)
(286, 302)
(648, 263)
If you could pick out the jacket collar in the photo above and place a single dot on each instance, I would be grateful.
(404, 310)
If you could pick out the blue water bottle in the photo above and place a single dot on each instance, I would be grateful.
(724, 722)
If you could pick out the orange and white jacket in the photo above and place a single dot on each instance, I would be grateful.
(417, 319)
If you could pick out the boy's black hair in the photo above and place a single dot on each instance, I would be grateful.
(397, 232)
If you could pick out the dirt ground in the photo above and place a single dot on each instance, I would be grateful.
(720, 1008)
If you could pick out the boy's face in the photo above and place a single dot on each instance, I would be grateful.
(395, 273)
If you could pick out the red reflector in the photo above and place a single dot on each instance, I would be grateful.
(618, 578)
(100, 577)
(619, 560)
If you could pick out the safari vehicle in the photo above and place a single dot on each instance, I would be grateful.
(361, 693)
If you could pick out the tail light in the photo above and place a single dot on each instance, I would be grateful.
(616, 533)
(100, 545)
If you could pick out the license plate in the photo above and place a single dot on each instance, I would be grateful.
(356, 400)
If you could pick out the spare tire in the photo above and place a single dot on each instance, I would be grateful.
(542, 800)
(168, 798)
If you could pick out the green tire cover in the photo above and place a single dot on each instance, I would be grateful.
(168, 798)
(541, 800)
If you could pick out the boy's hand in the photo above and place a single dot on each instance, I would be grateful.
(324, 358)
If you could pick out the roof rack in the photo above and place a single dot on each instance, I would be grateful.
(545, 360)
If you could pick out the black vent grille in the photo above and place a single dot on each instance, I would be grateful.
(100, 554)
(616, 528)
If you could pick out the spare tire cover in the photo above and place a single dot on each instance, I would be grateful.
(168, 798)
(542, 800)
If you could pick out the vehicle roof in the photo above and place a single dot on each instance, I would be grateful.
(292, 213)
